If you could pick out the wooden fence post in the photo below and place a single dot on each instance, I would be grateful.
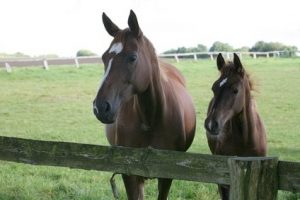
(8, 68)
(45, 64)
(253, 178)
(176, 58)
(76, 62)
(195, 56)
(240, 55)
(228, 55)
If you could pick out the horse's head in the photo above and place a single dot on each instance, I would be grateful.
(127, 68)
(229, 95)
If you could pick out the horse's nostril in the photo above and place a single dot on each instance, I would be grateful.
(215, 125)
(206, 124)
(106, 107)
(101, 108)
(211, 126)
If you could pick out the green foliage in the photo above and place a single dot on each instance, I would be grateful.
(85, 52)
(47, 56)
(14, 55)
(260, 46)
(22, 55)
(219, 47)
(274, 46)
(56, 105)
(242, 49)
(199, 48)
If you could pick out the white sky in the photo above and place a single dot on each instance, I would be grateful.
(64, 26)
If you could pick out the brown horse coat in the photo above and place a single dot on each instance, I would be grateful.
(142, 100)
(233, 125)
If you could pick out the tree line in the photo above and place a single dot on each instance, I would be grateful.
(218, 46)
(23, 55)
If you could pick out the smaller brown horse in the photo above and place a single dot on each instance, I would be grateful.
(233, 126)
(142, 101)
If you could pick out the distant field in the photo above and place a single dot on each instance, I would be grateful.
(57, 105)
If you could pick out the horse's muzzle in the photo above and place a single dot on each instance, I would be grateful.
(211, 126)
(103, 111)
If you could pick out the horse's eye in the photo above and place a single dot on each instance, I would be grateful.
(235, 91)
(132, 58)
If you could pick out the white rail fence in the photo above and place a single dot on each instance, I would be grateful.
(212, 55)
(8, 64)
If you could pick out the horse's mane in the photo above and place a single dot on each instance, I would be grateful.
(166, 70)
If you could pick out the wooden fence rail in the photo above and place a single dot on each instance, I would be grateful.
(259, 176)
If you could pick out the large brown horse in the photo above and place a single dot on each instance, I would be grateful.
(142, 101)
(233, 126)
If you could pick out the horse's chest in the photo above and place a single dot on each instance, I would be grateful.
(134, 130)
(227, 145)
(142, 135)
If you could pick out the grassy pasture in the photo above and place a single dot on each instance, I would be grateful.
(57, 105)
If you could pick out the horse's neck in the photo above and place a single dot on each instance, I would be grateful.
(150, 104)
(246, 119)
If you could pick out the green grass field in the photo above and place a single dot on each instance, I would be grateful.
(57, 105)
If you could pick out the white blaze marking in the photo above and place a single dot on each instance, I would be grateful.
(106, 72)
(223, 82)
(116, 48)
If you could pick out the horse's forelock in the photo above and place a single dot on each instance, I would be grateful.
(229, 70)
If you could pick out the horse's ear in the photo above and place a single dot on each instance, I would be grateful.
(237, 64)
(220, 61)
(134, 25)
(110, 27)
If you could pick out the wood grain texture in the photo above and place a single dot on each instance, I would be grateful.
(153, 163)
(132, 161)
(253, 178)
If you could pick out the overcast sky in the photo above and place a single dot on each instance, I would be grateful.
(64, 26)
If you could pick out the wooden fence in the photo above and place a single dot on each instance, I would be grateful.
(249, 177)
(77, 61)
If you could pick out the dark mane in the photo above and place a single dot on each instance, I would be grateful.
(166, 70)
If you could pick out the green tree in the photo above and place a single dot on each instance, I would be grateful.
(220, 46)
(85, 52)
(199, 48)
(274, 46)
(14, 55)
(242, 49)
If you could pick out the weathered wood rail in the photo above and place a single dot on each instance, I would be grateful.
(250, 177)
